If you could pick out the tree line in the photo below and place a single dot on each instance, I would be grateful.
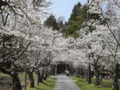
(78, 16)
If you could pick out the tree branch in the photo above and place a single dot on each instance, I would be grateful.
(23, 51)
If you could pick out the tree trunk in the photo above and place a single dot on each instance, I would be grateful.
(31, 78)
(97, 77)
(102, 69)
(86, 74)
(25, 80)
(115, 85)
(16, 81)
(45, 73)
(39, 79)
(45, 77)
(89, 74)
(101, 77)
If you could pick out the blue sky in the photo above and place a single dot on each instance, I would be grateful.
(64, 7)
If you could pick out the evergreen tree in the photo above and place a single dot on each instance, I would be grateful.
(60, 23)
(75, 21)
(77, 17)
(75, 11)
(51, 22)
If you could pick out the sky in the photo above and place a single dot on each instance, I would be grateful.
(64, 7)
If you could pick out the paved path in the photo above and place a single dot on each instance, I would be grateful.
(65, 83)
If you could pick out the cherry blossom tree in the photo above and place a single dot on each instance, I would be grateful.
(18, 21)
(109, 19)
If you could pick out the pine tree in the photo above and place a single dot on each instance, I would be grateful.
(60, 23)
(51, 22)
(77, 17)
(74, 21)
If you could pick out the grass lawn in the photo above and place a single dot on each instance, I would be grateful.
(2, 74)
(106, 85)
(46, 85)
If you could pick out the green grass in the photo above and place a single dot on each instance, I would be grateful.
(2, 74)
(46, 85)
(106, 85)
